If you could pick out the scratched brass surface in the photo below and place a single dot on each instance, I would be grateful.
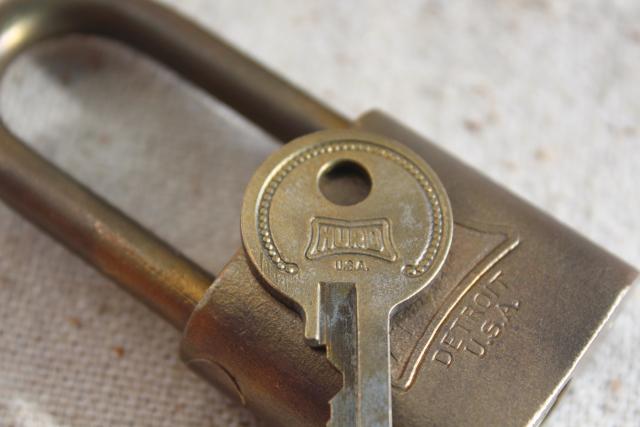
(554, 289)
(491, 342)
(347, 265)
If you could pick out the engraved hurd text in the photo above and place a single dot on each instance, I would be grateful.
(337, 237)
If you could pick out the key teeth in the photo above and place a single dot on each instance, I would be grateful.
(314, 321)
(314, 334)
(337, 321)
(342, 404)
(337, 401)
(314, 342)
(332, 421)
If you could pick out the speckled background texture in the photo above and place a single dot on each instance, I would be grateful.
(543, 96)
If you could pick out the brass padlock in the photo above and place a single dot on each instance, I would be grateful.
(519, 300)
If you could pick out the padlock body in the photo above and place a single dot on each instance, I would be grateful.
(492, 341)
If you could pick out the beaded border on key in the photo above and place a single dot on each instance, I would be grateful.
(425, 261)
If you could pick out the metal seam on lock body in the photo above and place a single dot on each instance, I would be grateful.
(345, 145)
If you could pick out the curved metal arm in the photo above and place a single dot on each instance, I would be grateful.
(119, 247)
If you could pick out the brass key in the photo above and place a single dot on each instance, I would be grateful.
(458, 357)
(346, 226)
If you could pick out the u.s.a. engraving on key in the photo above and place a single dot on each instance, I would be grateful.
(347, 226)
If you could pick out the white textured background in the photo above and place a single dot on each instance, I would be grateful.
(544, 96)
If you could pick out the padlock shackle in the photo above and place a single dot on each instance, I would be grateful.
(105, 237)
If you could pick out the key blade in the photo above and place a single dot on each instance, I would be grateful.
(358, 346)
(338, 302)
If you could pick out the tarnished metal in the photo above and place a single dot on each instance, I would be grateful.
(347, 264)
(122, 249)
(492, 341)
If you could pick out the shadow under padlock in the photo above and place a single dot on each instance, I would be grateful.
(518, 302)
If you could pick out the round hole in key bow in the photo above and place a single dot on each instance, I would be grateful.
(344, 182)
